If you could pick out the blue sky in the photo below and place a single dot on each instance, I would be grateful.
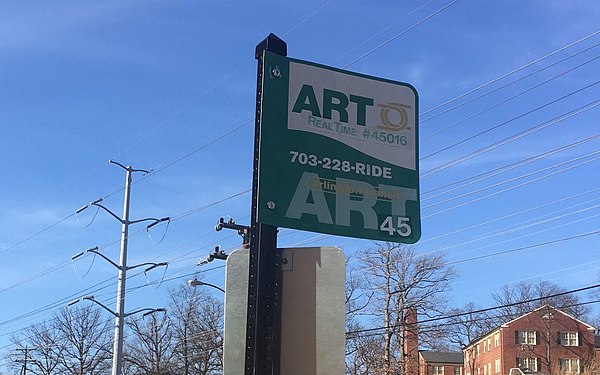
(170, 86)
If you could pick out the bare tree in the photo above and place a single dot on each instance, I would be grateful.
(36, 349)
(367, 356)
(197, 320)
(592, 367)
(403, 284)
(357, 300)
(75, 341)
(523, 297)
(467, 324)
(208, 340)
(150, 351)
(85, 341)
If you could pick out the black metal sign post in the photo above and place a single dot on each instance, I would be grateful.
(263, 332)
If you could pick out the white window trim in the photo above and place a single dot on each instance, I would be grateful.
(529, 363)
(566, 338)
(527, 337)
(570, 361)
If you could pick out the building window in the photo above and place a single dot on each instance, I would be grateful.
(457, 370)
(527, 364)
(497, 340)
(485, 370)
(497, 365)
(489, 343)
(569, 338)
(438, 370)
(570, 366)
(490, 368)
(526, 337)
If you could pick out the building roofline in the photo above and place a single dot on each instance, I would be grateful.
(444, 357)
(505, 325)
(555, 309)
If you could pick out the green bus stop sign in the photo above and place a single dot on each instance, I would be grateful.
(338, 152)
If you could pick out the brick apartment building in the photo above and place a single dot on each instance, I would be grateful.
(440, 363)
(545, 340)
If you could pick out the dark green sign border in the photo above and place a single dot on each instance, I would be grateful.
(278, 177)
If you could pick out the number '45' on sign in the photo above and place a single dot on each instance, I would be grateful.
(402, 227)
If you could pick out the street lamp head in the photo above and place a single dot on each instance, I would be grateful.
(196, 282)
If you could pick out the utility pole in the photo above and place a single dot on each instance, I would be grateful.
(24, 368)
(119, 321)
(122, 267)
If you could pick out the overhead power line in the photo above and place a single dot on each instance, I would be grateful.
(384, 29)
(524, 225)
(432, 328)
(94, 290)
(514, 214)
(512, 72)
(479, 311)
(445, 189)
(580, 159)
(194, 151)
(37, 233)
(469, 138)
(541, 244)
(402, 33)
(536, 128)
(504, 101)
(160, 168)
(55, 224)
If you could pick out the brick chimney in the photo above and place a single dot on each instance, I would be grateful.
(411, 342)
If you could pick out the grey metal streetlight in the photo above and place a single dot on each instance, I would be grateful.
(196, 282)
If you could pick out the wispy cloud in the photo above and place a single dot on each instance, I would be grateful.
(75, 30)
(49, 25)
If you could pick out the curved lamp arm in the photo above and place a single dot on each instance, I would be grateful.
(198, 283)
